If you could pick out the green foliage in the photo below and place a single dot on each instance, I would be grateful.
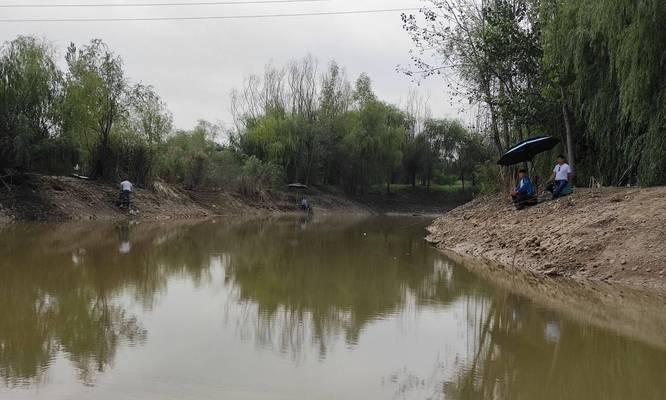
(282, 139)
(195, 160)
(352, 139)
(354, 147)
(445, 180)
(610, 57)
(30, 101)
(89, 116)
(448, 149)
(373, 145)
(494, 48)
(488, 178)
(187, 158)
(363, 93)
(590, 72)
(292, 125)
(258, 176)
(95, 100)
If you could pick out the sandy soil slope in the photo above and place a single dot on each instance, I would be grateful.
(49, 198)
(609, 234)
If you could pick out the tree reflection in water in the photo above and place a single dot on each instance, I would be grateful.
(331, 280)
(60, 285)
(520, 351)
(299, 283)
(66, 291)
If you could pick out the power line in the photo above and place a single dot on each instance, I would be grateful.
(200, 3)
(203, 18)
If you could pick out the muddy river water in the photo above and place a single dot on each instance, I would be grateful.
(289, 308)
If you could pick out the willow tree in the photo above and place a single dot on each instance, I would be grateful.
(611, 55)
(149, 122)
(30, 100)
(96, 95)
(374, 139)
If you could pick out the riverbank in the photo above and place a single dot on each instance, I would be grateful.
(610, 234)
(32, 197)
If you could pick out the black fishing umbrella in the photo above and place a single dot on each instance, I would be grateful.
(527, 150)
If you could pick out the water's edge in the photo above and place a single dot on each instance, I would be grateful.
(614, 307)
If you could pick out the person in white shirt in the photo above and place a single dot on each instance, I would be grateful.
(125, 193)
(560, 178)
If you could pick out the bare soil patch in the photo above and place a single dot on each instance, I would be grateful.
(609, 234)
(32, 197)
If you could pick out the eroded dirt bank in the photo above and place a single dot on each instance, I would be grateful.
(610, 234)
(48, 198)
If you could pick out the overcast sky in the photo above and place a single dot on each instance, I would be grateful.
(195, 64)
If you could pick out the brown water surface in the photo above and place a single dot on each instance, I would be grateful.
(296, 309)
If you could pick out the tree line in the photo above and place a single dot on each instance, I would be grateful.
(323, 129)
(589, 72)
(294, 123)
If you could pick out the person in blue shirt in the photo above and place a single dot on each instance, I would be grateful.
(524, 191)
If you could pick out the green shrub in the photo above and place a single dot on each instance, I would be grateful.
(446, 180)
(258, 176)
(488, 178)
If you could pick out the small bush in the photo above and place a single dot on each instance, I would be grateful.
(446, 180)
(257, 177)
(488, 178)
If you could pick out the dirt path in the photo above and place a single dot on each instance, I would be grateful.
(610, 234)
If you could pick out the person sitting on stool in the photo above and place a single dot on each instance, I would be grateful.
(524, 191)
(558, 184)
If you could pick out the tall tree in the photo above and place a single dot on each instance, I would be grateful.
(363, 93)
(608, 58)
(490, 53)
(334, 103)
(30, 100)
(150, 115)
(95, 99)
